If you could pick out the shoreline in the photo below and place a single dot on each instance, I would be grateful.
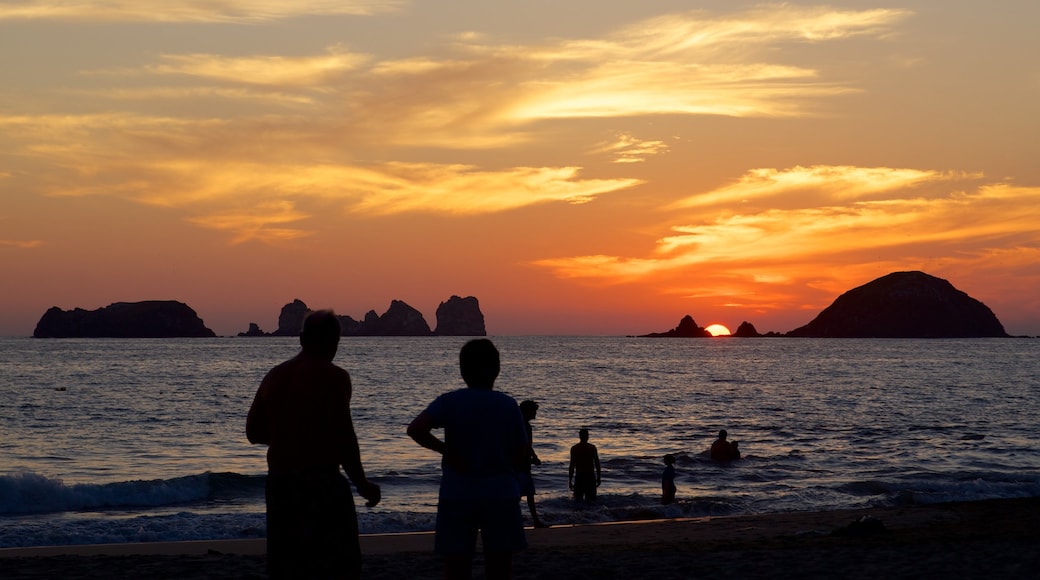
(997, 538)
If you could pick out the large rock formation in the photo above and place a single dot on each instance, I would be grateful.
(290, 319)
(456, 317)
(148, 319)
(687, 329)
(904, 305)
(460, 317)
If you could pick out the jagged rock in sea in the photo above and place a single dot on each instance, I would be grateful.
(460, 317)
(747, 330)
(687, 329)
(904, 305)
(146, 319)
(399, 320)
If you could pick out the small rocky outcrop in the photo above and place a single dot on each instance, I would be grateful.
(746, 330)
(254, 330)
(147, 319)
(460, 317)
(687, 329)
(904, 305)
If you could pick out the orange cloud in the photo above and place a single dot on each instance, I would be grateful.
(224, 11)
(23, 244)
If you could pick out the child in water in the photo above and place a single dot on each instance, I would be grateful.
(668, 480)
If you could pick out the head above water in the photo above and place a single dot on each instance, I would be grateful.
(669, 459)
(479, 363)
(320, 334)
(723, 434)
(583, 435)
(529, 409)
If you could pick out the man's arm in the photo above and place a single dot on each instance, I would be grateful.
(421, 431)
(595, 460)
(257, 429)
(351, 460)
(570, 471)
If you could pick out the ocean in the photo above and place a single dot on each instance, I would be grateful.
(110, 440)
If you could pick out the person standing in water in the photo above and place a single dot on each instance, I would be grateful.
(583, 474)
(668, 480)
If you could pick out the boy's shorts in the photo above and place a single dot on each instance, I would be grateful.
(500, 523)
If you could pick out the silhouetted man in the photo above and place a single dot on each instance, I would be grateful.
(302, 413)
(484, 449)
(583, 473)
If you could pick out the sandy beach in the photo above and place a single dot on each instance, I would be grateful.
(983, 539)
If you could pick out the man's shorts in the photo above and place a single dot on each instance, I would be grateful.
(585, 487)
(500, 523)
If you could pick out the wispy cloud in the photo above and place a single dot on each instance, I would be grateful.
(187, 10)
(628, 149)
(263, 222)
(22, 244)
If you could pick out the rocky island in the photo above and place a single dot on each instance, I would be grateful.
(456, 317)
(148, 319)
(904, 305)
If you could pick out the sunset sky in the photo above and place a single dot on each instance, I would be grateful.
(582, 167)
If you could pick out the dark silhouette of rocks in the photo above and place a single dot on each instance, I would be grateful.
(290, 319)
(460, 317)
(456, 317)
(399, 320)
(746, 330)
(254, 330)
(687, 329)
(904, 305)
(147, 319)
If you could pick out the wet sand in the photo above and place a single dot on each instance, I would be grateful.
(985, 539)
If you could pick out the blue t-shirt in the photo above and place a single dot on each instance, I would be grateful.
(485, 430)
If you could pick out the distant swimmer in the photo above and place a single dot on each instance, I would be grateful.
(723, 450)
(583, 474)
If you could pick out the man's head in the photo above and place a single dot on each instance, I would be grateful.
(479, 363)
(723, 434)
(320, 334)
(583, 435)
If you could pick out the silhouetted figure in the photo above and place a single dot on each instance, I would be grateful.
(583, 474)
(302, 413)
(668, 480)
(529, 409)
(723, 450)
(485, 447)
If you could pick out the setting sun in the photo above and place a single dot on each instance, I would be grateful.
(718, 330)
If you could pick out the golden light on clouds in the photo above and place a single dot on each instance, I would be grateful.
(261, 70)
(861, 210)
(187, 11)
